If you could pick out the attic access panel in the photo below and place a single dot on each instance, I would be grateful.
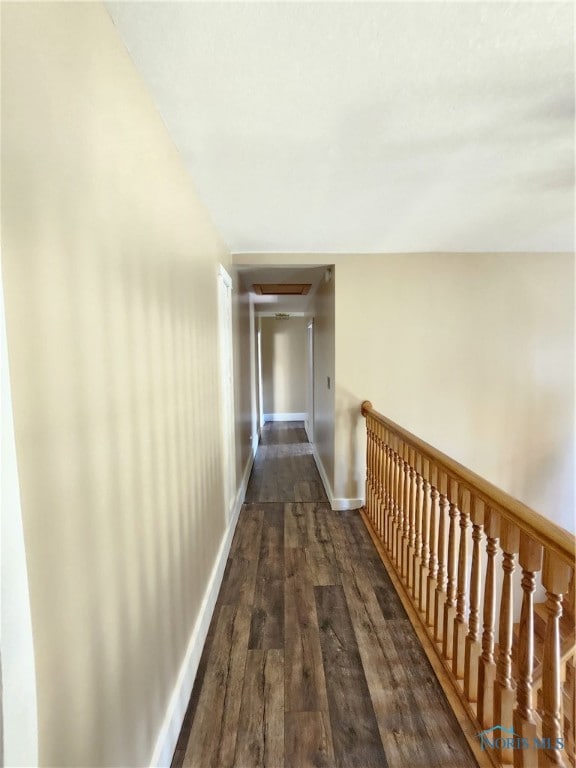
(282, 289)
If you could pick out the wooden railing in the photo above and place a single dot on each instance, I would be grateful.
(433, 518)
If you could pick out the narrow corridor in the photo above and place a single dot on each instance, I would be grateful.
(310, 659)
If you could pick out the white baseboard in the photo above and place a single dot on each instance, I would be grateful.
(336, 504)
(285, 416)
(174, 717)
(342, 505)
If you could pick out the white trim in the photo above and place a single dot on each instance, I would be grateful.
(284, 416)
(227, 280)
(18, 704)
(268, 313)
(336, 504)
(323, 475)
(178, 703)
(227, 423)
(343, 505)
(309, 421)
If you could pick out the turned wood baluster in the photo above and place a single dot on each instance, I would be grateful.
(569, 600)
(394, 492)
(425, 551)
(390, 486)
(417, 542)
(433, 559)
(384, 480)
(388, 503)
(530, 560)
(378, 448)
(450, 603)
(397, 496)
(503, 690)
(555, 580)
(570, 705)
(411, 539)
(487, 666)
(370, 494)
(460, 625)
(473, 647)
(440, 600)
(408, 478)
(401, 504)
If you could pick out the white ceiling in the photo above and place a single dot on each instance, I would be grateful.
(367, 127)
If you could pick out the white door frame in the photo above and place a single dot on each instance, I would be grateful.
(254, 383)
(260, 393)
(309, 424)
(227, 388)
(18, 705)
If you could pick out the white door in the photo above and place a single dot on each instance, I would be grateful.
(227, 384)
(310, 391)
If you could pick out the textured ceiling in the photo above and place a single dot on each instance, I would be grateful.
(347, 127)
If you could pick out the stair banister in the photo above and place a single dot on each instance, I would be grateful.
(430, 518)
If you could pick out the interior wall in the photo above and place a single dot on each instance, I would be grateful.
(243, 376)
(110, 269)
(323, 311)
(473, 353)
(284, 365)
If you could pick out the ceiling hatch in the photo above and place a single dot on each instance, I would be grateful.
(282, 289)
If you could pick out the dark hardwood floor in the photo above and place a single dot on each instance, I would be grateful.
(310, 659)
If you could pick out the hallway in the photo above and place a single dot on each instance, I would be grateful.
(310, 659)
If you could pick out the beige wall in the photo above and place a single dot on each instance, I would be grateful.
(284, 365)
(472, 352)
(475, 354)
(324, 344)
(109, 267)
(244, 377)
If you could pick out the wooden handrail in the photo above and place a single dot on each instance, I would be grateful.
(551, 535)
(430, 518)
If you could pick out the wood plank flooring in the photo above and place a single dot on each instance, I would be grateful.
(310, 659)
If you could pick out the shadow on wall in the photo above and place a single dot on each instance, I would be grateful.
(267, 363)
(350, 439)
(284, 365)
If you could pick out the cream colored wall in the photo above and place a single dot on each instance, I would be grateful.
(109, 265)
(472, 352)
(243, 374)
(475, 354)
(323, 309)
(284, 365)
